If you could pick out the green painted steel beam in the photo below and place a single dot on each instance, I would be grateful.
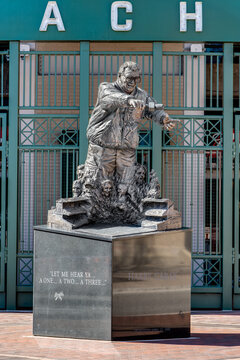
(12, 175)
(157, 94)
(84, 100)
(206, 301)
(227, 176)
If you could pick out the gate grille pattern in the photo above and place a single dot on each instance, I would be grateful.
(49, 128)
(193, 155)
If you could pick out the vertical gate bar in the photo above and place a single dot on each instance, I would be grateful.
(84, 99)
(217, 81)
(24, 78)
(211, 205)
(157, 94)
(55, 80)
(217, 201)
(73, 167)
(198, 191)
(198, 88)
(111, 68)
(12, 174)
(67, 171)
(61, 167)
(54, 176)
(179, 80)
(92, 74)
(205, 80)
(42, 162)
(173, 177)
(143, 71)
(185, 186)
(105, 68)
(173, 79)
(191, 188)
(74, 80)
(35, 186)
(166, 173)
(48, 179)
(68, 80)
(192, 80)
(43, 65)
(61, 80)
(204, 201)
(166, 80)
(3, 195)
(30, 80)
(36, 79)
(29, 200)
(22, 198)
(238, 81)
(179, 178)
(149, 75)
(236, 203)
(98, 67)
(227, 175)
(2, 74)
(49, 79)
(185, 79)
(211, 81)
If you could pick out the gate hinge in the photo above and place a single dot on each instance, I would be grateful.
(5, 255)
(233, 256)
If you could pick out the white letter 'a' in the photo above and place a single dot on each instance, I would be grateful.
(47, 20)
(184, 16)
(114, 15)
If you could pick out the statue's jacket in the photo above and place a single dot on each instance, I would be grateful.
(112, 124)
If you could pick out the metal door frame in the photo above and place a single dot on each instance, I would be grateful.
(3, 150)
(236, 255)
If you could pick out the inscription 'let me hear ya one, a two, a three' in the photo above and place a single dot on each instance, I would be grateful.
(71, 278)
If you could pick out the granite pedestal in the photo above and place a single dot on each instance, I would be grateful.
(103, 282)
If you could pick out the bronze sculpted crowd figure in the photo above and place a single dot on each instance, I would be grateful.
(111, 186)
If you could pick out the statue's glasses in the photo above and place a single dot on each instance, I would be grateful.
(131, 79)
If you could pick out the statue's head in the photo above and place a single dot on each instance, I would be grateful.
(80, 171)
(128, 76)
(107, 186)
(140, 173)
(76, 188)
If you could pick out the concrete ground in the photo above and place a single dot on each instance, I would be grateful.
(214, 335)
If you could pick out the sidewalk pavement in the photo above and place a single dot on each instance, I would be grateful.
(214, 335)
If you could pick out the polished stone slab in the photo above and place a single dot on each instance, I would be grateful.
(112, 283)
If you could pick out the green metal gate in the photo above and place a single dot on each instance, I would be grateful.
(236, 242)
(3, 191)
(56, 94)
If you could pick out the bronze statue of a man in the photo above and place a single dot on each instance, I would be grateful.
(113, 127)
(111, 188)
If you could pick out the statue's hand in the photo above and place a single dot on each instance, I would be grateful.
(168, 124)
(136, 103)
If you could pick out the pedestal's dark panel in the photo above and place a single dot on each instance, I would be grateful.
(151, 285)
(72, 286)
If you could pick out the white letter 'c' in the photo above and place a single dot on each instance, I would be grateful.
(114, 15)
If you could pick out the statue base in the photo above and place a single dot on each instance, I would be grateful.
(109, 283)
(72, 213)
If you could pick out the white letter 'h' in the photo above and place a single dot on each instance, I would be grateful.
(184, 16)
